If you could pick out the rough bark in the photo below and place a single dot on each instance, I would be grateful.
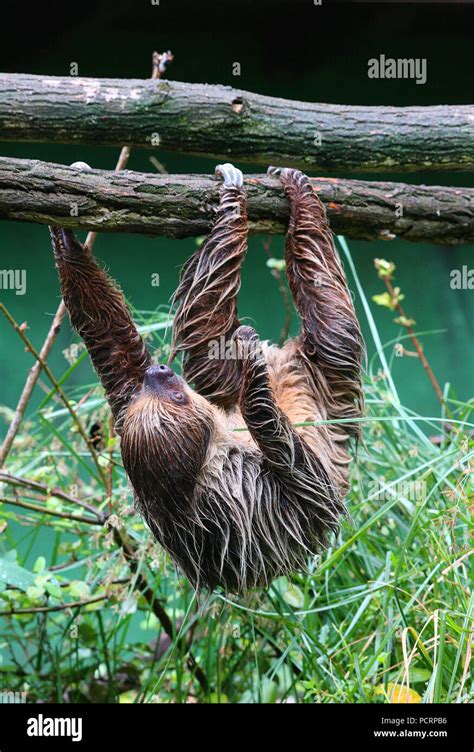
(182, 205)
(223, 122)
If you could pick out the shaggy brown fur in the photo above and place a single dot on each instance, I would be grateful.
(233, 508)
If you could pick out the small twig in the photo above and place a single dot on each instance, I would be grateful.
(158, 166)
(276, 273)
(52, 512)
(30, 384)
(42, 488)
(62, 607)
(416, 342)
(57, 387)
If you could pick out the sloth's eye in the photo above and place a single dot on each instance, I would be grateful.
(177, 397)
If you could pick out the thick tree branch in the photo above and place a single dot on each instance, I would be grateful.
(220, 121)
(182, 205)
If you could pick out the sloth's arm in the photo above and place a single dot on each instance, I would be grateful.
(99, 314)
(270, 428)
(331, 336)
(206, 316)
(307, 487)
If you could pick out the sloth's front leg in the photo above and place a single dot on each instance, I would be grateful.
(268, 425)
(99, 314)
(331, 339)
(311, 496)
(206, 316)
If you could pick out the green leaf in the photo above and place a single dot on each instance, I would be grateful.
(419, 675)
(79, 589)
(293, 596)
(54, 590)
(128, 697)
(35, 593)
(383, 299)
(87, 634)
(278, 264)
(269, 691)
(384, 268)
(42, 579)
(39, 564)
(403, 321)
(12, 574)
(54, 504)
(216, 699)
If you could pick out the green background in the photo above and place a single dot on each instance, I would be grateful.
(297, 52)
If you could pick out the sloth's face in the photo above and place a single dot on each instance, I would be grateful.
(165, 435)
(165, 384)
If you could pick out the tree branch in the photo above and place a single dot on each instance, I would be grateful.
(46, 490)
(182, 205)
(52, 512)
(223, 122)
(50, 609)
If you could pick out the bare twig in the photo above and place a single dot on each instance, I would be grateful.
(42, 488)
(276, 273)
(52, 512)
(48, 609)
(57, 387)
(30, 384)
(416, 342)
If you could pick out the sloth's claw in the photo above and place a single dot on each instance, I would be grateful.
(64, 242)
(280, 172)
(80, 166)
(247, 342)
(273, 171)
(231, 176)
(245, 332)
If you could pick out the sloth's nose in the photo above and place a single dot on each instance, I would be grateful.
(157, 375)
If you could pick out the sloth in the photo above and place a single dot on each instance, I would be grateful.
(240, 466)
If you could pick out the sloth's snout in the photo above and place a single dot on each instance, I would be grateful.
(160, 371)
(157, 377)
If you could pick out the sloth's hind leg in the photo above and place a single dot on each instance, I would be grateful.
(331, 339)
